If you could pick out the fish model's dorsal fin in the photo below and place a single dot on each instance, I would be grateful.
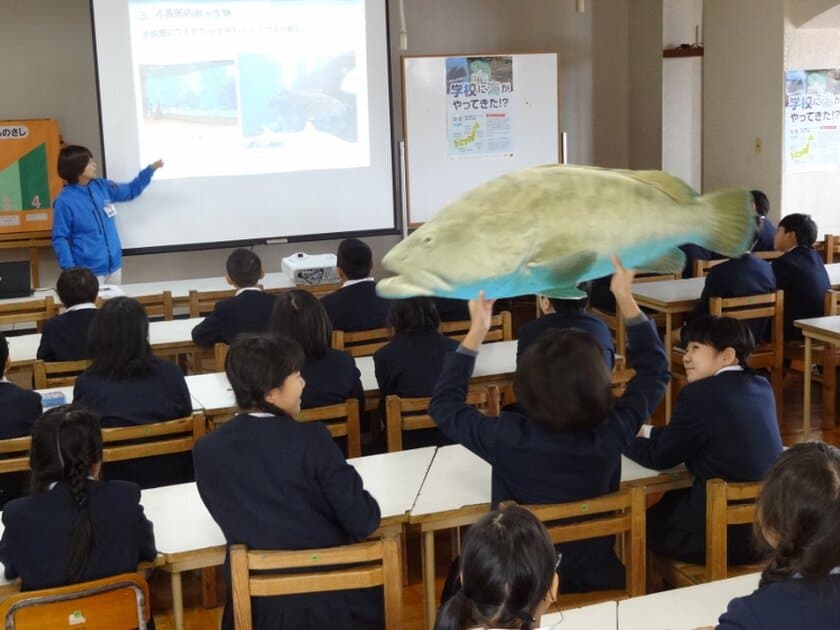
(672, 261)
(672, 186)
(564, 293)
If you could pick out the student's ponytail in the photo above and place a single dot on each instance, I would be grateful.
(458, 613)
(83, 528)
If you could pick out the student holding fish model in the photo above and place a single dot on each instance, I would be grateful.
(566, 444)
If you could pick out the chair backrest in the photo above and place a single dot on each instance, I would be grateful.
(341, 419)
(767, 255)
(620, 513)
(726, 504)
(501, 328)
(14, 454)
(769, 305)
(360, 343)
(318, 290)
(220, 352)
(36, 311)
(362, 565)
(148, 440)
(120, 602)
(832, 248)
(57, 373)
(832, 302)
(203, 302)
(412, 414)
(701, 267)
(158, 306)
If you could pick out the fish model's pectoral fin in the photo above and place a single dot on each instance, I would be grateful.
(672, 186)
(565, 271)
(673, 261)
(564, 293)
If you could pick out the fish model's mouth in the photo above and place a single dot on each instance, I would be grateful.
(417, 283)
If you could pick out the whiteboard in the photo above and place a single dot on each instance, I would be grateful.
(434, 177)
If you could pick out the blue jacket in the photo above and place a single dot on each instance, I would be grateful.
(83, 235)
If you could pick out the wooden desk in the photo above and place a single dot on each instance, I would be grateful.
(456, 492)
(188, 538)
(603, 616)
(826, 330)
(684, 608)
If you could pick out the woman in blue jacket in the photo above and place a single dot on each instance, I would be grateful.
(84, 230)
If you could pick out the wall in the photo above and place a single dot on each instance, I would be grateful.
(55, 78)
(645, 84)
(814, 192)
(743, 88)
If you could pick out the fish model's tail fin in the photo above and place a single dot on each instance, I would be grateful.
(732, 229)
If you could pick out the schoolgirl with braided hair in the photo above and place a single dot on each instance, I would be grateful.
(73, 527)
(508, 574)
(798, 526)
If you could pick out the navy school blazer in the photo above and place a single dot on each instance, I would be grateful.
(764, 236)
(409, 364)
(331, 379)
(65, 336)
(582, 320)
(723, 426)
(19, 408)
(37, 538)
(801, 274)
(357, 307)
(155, 397)
(532, 465)
(248, 312)
(273, 483)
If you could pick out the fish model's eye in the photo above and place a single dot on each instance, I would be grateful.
(427, 240)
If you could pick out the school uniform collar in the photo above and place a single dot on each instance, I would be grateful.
(730, 368)
(55, 483)
(243, 289)
(834, 571)
(4, 380)
(261, 414)
(348, 283)
(80, 307)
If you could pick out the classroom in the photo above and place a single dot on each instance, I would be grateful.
(663, 434)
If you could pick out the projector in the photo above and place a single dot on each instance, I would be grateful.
(311, 270)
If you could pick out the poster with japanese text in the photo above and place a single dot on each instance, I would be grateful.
(479, 95)
(812, 119)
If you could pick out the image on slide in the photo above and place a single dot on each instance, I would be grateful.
(250, 86)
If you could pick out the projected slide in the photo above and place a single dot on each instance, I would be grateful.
(250, 87)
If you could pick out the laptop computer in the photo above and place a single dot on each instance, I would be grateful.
(15, 279)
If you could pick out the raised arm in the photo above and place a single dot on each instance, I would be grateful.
(127, 192)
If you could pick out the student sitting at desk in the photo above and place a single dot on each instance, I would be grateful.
(331, 375)
(355, 306)
(566, 444)
(560, 314)
(800, 271)
(127, 385)
(409, 364)
(65, 336)
(273, 483)
(766, 232)
(20, 408)
(247, 312)
(798, 525)
(508, 574)
(74, 527)
(723, 426)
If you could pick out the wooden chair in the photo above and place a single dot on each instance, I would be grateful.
(14, 454)
(831, 248)
(270, 573)
(726, 504)
(318, 290)
(501, 328)
(149, 440)
(158, 306)
(412, 414)
(57, 373)
(701, 267)
(621, 514)
(203, 302)
(341, 420)
(767, 255)
(220, 352)
(120, 602)
(360, 343)
(31, 311)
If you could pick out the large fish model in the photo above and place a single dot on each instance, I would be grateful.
(546, 229)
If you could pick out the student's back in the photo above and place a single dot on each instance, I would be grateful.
(766, 232)
(355, 306)
(739, 277)
(65, 337)
(801, 274)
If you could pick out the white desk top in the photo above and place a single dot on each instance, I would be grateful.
(670, 291)
(603, 616)
(684, 608)
(458, 478)
(180, 289)
(67, 392)
(825, 325)
(833, 273)
(182, 522)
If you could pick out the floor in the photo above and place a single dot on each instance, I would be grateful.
(196, 617)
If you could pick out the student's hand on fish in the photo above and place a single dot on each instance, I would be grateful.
(621, 286)
(481, 315)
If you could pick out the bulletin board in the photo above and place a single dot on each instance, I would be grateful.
(471, 117)
(29, 182)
